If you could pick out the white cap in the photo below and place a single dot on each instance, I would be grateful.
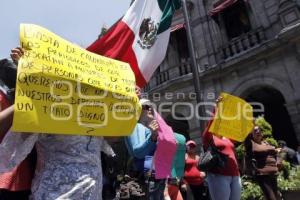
(145, 102)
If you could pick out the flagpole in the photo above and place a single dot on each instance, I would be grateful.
(195, 69)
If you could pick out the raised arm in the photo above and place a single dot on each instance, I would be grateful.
(6, 118)
(207, 137)
(139, 143)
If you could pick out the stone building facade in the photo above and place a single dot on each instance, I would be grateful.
(249, 48)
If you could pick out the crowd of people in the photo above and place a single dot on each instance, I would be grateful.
(50, 166)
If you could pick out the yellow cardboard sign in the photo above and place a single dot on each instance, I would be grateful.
(64, 89)
(233, 118)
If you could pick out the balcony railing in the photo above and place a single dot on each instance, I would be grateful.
(234, 48)
(161, 77)
(243, 43)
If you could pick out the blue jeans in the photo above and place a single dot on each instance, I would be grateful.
(156, 189)
(224, 187)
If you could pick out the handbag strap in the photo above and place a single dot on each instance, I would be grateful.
(152, 163)
(211, 142)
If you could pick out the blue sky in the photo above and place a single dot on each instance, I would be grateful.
(78, 21)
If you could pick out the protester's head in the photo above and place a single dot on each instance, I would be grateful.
(281, 143)
(147, 112)
(191, 147)
(138, 91)
(257, 134)
(8, 73)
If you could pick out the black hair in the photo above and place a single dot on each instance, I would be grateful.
(8, 73)
(282, 143)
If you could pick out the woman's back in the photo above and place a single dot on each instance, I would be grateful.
(68, 167)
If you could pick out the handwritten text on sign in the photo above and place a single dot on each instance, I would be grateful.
(233, 118)
(64, 89)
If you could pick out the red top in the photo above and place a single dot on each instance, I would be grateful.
(225, 146)
(19, 179)
(3, 105)
(3, 101)
(191, 172)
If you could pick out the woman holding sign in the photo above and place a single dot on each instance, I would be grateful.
(68, 167)
(223, 182)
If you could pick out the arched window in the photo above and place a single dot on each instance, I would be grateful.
(233, 16)
(236, 20)
(275, 112)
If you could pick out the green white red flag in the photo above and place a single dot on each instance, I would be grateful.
(140, 38)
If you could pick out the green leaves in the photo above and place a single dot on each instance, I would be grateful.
(265, 127)
(250, 190)
(292, 183)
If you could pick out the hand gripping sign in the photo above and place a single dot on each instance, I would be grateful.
(64, 89)
(233, 118)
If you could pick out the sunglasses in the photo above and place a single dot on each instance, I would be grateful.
(257, 132)
(146, 107)
(191, 146)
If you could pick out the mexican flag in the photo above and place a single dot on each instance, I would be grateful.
(140, 38)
